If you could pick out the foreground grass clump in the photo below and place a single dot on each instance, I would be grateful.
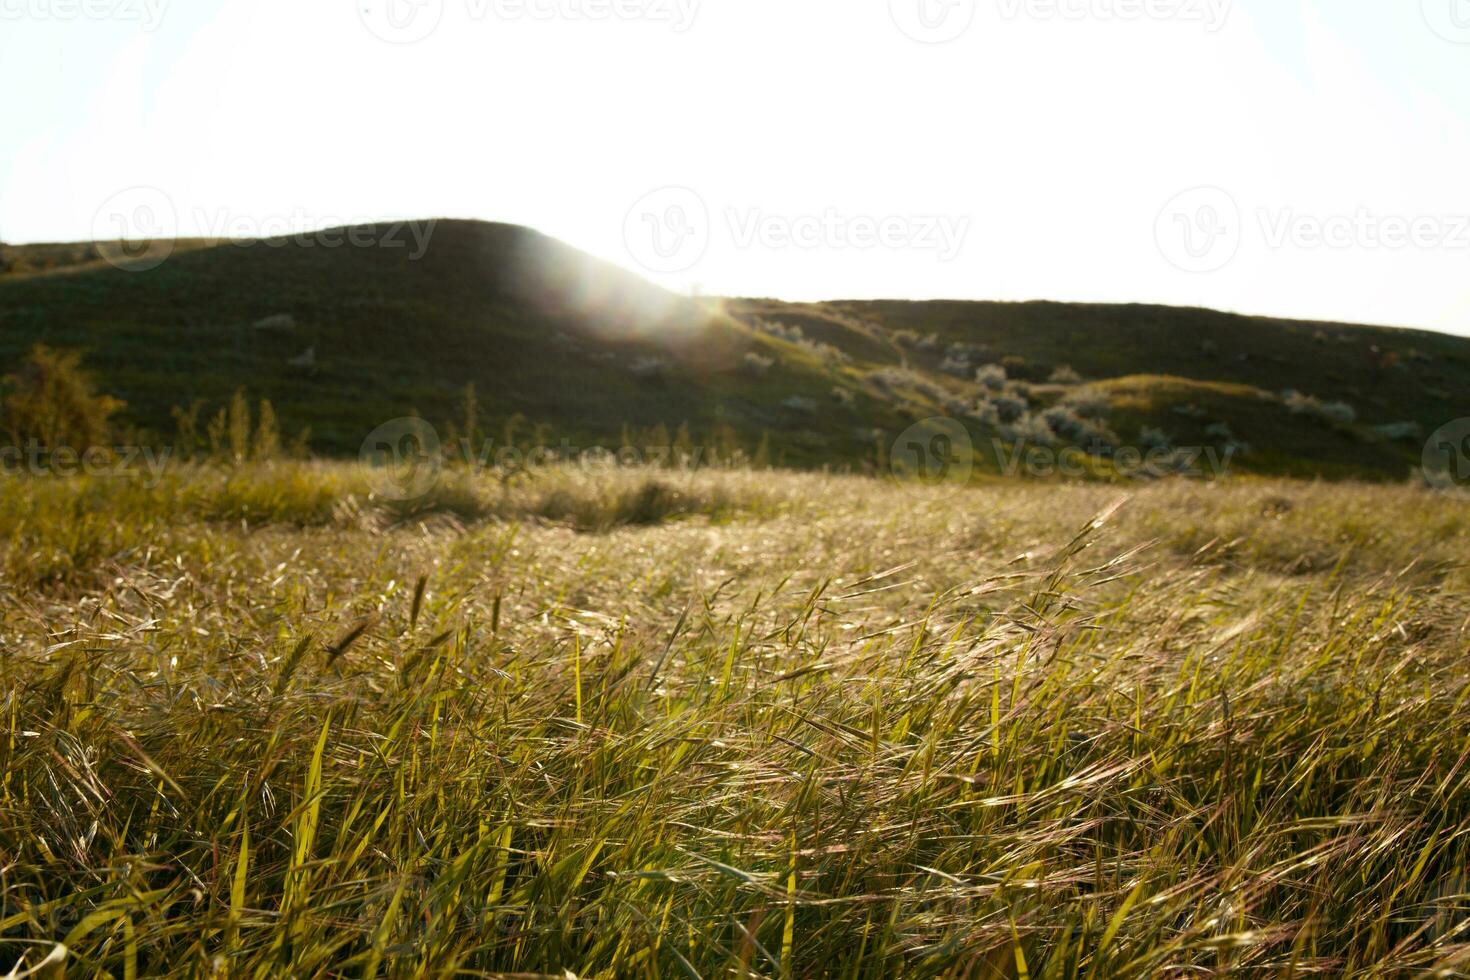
(755, 723)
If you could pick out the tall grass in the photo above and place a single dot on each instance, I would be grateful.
(259, 724)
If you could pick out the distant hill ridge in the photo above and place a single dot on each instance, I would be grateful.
(341, 339)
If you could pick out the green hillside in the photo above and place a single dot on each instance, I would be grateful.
(1191, 374)
(343, 338)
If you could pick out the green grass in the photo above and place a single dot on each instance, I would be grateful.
(262, 722)
(556, 337)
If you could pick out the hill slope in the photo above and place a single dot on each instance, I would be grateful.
(343, 338)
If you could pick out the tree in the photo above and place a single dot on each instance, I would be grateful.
(50, 400)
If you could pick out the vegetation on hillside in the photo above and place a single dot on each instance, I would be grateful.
(341, 339)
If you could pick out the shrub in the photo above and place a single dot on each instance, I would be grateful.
(1151, 438)
(265, 443)
(758, 364)
(1019, 367)
(1398, 431)
(1029, 428)
(1082, 431)
(52, 401)
(1010, 407)
(904, 381)
(1088, 402)
(1065, 375)
(776, 328)
(985, 413)
(649, 368)
(959, 367)
(1340, 413)
(798, 403)
(960, 359)
(991, 376)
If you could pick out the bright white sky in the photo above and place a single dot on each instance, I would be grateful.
(1054, 133)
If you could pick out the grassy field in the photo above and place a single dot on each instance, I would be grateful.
(631, 723)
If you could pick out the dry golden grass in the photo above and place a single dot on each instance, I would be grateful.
(259, 723)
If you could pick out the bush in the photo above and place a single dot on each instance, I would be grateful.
(991, 376)
(1400, 431)
(1151, 438)
(960, 359)
(1010, 407)
(957, 366)
(1340, 413)
(1019, 367)
(1082, 431)
(1029, 429)
(985, 413)
(1065, 375)
(1088, 402)
(649, 368)
(758, 364)
(52, 401)
(799, 403)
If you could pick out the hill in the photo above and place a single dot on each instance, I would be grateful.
(343, 338)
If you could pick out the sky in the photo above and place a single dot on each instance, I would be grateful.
(1302, 158)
